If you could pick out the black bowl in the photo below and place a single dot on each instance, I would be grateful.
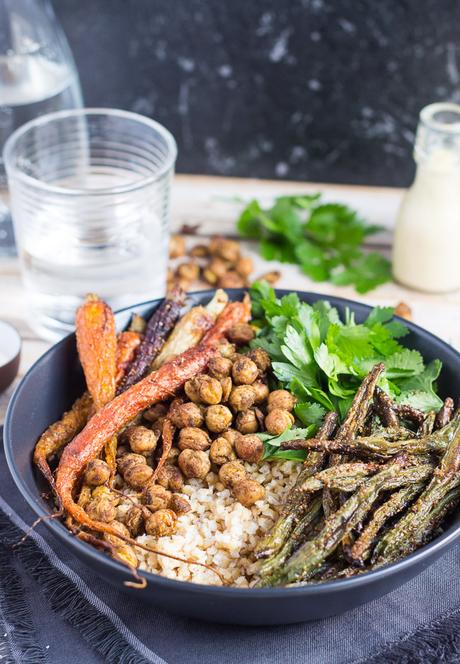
(53, 383)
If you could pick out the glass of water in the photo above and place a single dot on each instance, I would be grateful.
(90, 192)
(37, 76)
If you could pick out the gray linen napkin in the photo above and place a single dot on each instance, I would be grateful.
(55, 610)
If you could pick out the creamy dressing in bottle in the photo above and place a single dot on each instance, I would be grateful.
(426, 252)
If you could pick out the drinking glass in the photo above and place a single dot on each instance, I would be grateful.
(37, 76)
(90, 193)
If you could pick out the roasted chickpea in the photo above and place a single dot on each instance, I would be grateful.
(155, 497)
(191, 389)
(122, 450)
(227, 350)
(194, 463)
(241, 334)
(138, 475)
(141, 440)
(102, 509)
(242, 397)
(128, 460)
(229, 250)
(104, 492)
(231, 280)
(221, 451)
(172, 457)
(244, 266)
(220, 367)
(186, 415)
(209, 276)
(97, 472)
(113, 539)
(249, 448)
(261, 390)
(179, 504)
(246, 422)
(244, 371)
(192, 438)
(134, 520)
(218, 418)
(278, 420)
(176, 246)
(154, 413)
(231, 473)
(218, 267)
(188, 271)
(126, 555)
(199, 251)
(261, 358)
(281, 399)
(170, 477)
(231, 435)
(161, 523)
(248, 492)
(227, 386)
(209, 389)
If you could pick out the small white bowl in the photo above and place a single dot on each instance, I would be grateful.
(10, 354)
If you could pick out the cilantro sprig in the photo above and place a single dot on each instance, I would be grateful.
(322, 359)
(324, 239)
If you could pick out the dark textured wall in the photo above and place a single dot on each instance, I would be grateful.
(325, 90)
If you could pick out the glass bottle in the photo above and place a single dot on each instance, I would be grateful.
(37, 76)
(426, 251)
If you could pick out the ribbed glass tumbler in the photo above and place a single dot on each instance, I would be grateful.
(90, 193)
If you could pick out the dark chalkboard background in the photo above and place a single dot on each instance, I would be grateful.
(325, 90)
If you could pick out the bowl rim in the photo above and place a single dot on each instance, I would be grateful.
(87, 551)
(18, 340)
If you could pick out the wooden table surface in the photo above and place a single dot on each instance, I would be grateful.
(214, 203)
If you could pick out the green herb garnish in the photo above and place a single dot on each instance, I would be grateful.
(325, 239)
(323, 359)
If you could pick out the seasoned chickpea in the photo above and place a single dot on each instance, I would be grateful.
(154, 413)
(246, 422)
(155, 497)
(128, 460)
(102, 509)
(172, 457)
(192, 438)
(218, 418)
(179, 504)
(227, 386)
(244, 371)
(170, 477)
(229, 250)
(261, 358)
(219, 367)
(138, 475)
(278, 420)
(261, 390)
(227, 350)
(281, 399)
(218, 267)
(161, 523)
(244, 266)
(191, 389)
(186, 415)
(122, 450)
(194, 463)
(134, 520)
(97, 472)
(104, 492)
(221, 451)
(126, 555)
(199, 251)
(209, 276)
(242, 397)
(209, 389)
(240, 334)
(141, 440)
(176, 246)
(113, 539)
(249, 448)
(231, 280)
(248, 492)
(231, 473)
(189, 271)
(231, 435)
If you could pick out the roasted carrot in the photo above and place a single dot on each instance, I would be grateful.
(127, 346)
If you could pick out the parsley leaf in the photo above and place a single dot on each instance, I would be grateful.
(324, 239)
